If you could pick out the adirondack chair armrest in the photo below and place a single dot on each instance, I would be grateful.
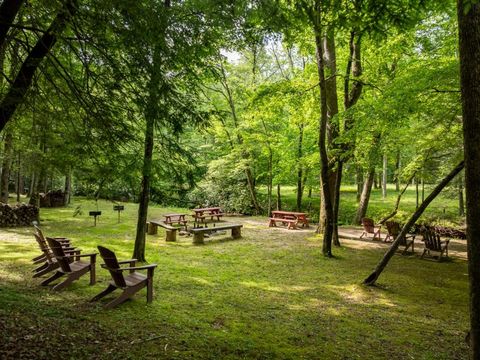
(72, 251)
(128, 261)
(410, 236)
(92, 256)
(144, 267)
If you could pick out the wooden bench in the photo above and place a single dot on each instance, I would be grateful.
(171, 231)
(292, 223)
(198, 233)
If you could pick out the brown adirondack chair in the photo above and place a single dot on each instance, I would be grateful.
(50, 263)
(41, 258)
(393, 229)
(72, 269)
(130, 284)
(369, 228)
(433, 243)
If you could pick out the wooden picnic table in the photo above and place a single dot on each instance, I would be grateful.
(175, 219)
(291, 218)
(201, 213)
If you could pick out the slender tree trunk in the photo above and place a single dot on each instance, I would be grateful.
(322, 145)
(365, 198)
(279, 198)
(375, 182)
(359, 180)
(416, 193)
(6, 165)
(384, 177)
(336, 202)
(461, 202)
(372, 278)
(68, 188)
(397, 172)
(19, 182)
(469, 35)
(423, 188)
(8, 11)
(300, 167)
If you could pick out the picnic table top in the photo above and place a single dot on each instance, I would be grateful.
(207, 209)
(279, 212)
(171, 215)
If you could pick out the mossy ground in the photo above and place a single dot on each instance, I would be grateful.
(269, 295)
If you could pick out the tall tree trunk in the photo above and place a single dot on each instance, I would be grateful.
(417, 195)
(23, 80)
(384, 177)
(469, 35)
(300, 167)
(6, 165)
(397, 172)
(372, 278)
(336, 202)
(322, 145)
(365, 198)
(461, 202)
(19, 182)
(68, 187)
(359, 181)
(423, 187)
(279, 198)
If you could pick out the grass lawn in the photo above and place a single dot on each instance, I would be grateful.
(269, 295)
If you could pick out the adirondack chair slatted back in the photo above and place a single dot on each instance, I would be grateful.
(59, 254)
(394, 229)
(368, 225)
(432, 240)
(112, 263)
(44, 248)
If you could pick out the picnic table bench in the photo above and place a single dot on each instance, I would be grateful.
(171, 231)
(198, 233)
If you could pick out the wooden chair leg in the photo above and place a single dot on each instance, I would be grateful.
(41, 267)
(110, 288)
(92, 274)
(123, 297)
(49, 268)
(423, 254)
(149, 290)
(363, 234)
(64, 284)
(54, 277)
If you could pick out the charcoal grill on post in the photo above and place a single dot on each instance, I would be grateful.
(118, 208)
(95, 214)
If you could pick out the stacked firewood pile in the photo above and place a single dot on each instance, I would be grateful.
(53, 198)
(17, 215)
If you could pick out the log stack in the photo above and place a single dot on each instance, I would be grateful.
(18, 215)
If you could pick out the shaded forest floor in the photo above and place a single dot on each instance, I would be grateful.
(268, 295)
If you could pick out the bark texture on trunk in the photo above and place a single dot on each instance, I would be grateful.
(300, 167)
(469, 35)
(322, 145)
(365, 197)
(372, 278)
(384, 177)
(8, 11)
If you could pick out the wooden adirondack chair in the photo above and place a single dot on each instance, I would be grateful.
(369, 228)
(433, 243)
(72, 269)
(41, 258)
(50, 263)
(130, 284)
(393, 229)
